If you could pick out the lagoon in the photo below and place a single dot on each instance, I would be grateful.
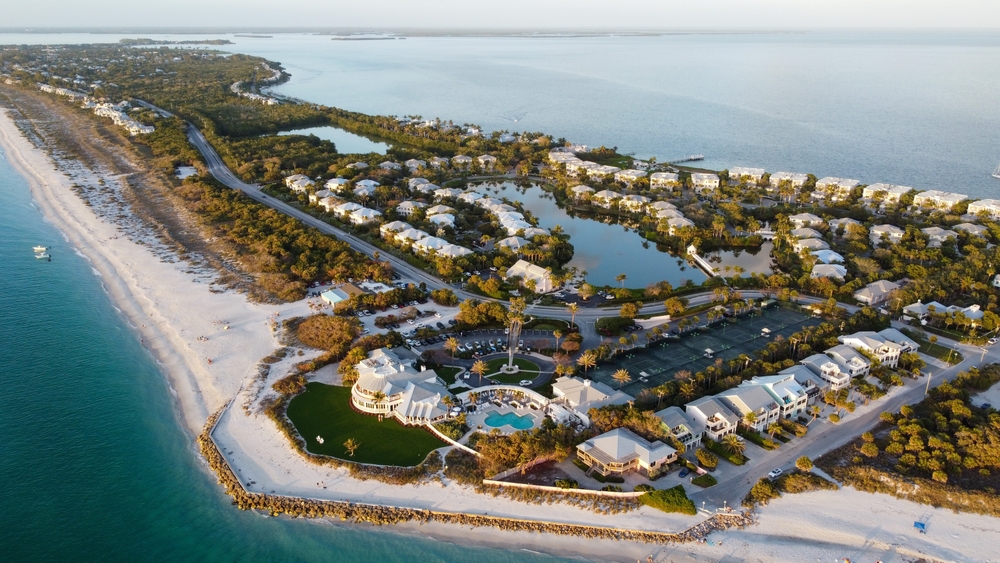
(346, 142)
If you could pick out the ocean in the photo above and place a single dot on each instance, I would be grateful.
(93, 459)
(94, 463)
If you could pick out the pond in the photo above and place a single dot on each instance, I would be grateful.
(603, 250)
(751, 260)
(346, 142)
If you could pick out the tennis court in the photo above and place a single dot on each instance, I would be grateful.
(653, 366)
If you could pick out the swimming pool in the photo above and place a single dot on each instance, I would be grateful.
(519, 422)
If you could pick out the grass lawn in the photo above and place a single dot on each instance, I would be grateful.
(324, 410)
(935, 350)
(512, 378)
(448, 373)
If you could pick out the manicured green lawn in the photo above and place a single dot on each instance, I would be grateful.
(325, 411)
(513, 378)
(448, 373)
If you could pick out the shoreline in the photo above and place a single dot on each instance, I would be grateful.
(145, 289)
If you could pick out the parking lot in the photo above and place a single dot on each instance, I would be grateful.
(658, 364)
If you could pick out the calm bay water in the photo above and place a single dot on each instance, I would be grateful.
(93, 462)
(346, 142)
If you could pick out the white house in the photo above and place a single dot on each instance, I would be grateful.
(681, 426)
(834, 271)
(827, 257)
(873, 343)
(316, 196)
(806, 232)
(892, 233)
(746, 399)
(990, 207)
(444, 193)
(702, 182)
(660, 205)
(814, 385)
(828, 370)
(329, 204)
(410, 235)
(388, 387)
(905, 343)
(430, 244)
(669, 214)
(368, 185)
(453, 251)
(851, 362)
(712, 417)
(434, 210)
(407, 208)
(876, 292)
(792, 398)
(605, 198)
(937, 199)
(678, 223)
(806, 220)
(938, 236)
(392, 227)
(663, 180)
(513, 243)
(581, 190)
(412, 183)
(629, 176)
(846, 223)
(470, 197)
(889, 193)
(533, 232)
(835, 188)
(633, 203)
(620, 451)
(438, 162)
(972, 229)
(461, 161)
(528, 271)
(415, 164)
(602, 171)
(486, 161)
(364, 216)
(443, 220)
(345, 209)
(390, 165)
(581, 395)
(810, 244)
(337, 185)
(793, 179)
(300, 184)
(742, 174)
(358, 165)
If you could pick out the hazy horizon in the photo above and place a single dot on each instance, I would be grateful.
(511, 15)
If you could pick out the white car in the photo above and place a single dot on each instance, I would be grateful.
(774, 474)
(525, 382)
(993, 341)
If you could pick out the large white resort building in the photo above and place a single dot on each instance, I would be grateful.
(388, 387)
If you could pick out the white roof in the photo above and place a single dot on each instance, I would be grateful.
(828, 271)
(607, 194)
(442, 219)
(738, 171)
(663, 177)
(453, 250)
(411, 234)
(827, 256)
(397, 226)
(513, 243)
(622, 446)
(581, 189)
(439, 209)
(368, 183)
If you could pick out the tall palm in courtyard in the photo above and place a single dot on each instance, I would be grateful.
(573, 309)
(479, 368)
(452, 345)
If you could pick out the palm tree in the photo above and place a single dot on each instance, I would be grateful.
(682, 375)
(773, 429)
(749, 419)
(814, 411)
(378, 397)
(620, 278)
(479, 368)
(473, 397)
(660, 391)
(587, 360)
(733, 444)
(573, 308)
(351, 445)
(452, 345)
(688, 390)
(622, 377)
(557, 334)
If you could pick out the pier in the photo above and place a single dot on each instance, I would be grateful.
(692, 158)
(701, 262)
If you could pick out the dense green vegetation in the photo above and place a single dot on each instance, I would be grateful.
(705, 481)
(673, 499)
(946, 450)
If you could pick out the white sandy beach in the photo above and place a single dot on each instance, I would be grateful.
(171, 309)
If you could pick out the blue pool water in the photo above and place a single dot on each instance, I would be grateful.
(520, 422)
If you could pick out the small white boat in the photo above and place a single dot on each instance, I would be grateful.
(43, 256)
(40, 248)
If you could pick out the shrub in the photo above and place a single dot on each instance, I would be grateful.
(669, 500)
(794, 427)
(869, 449)
(762, 493)
(804, 464)
(615, 479)
(290, 385)
(612, 488)
(720, 450)
(704, 481)
(835, 418)
(643, 488)
(444, 297)
(802, 482)
(567, 484)
(579, 463)
(707, 459)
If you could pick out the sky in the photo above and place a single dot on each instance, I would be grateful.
(519, 14)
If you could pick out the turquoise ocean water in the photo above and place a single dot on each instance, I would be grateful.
(93, 463)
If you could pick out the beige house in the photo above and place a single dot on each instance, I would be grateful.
(620, 451)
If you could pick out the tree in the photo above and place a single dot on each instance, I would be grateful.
(622, 377)
(674, 306)
(557, 334)
(587, 360)
(804, 464)
(733, 444)
(620, 278)
(573, 308)
(586, 291)
(479, 368)
(688, 390)
(815, 411)
(749, 420)
(629, 310)
(773, 429)
(452, 345)
(869, 449)
(351, 445)
(660, 391)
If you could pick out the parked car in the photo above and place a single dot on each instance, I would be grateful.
(774, 474)
(525, 382)
(440, 325)
(438, 315)
(993, 341)
(684, 473)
